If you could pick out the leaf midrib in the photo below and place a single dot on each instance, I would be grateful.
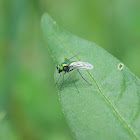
(100, 91)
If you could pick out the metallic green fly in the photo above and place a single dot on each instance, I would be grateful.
(68, 66)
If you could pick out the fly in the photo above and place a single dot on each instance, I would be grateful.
(68, 66)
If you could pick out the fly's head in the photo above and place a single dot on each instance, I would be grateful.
(59, 68)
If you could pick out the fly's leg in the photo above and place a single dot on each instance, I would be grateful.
(72, 57)
(67, 60)
(58, 79)
(73, 82)
(62, 81)
(83, 77)
(71, 70)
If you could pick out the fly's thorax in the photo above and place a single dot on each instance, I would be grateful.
(65, 64)
(63, 67)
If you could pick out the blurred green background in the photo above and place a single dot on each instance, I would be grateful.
(29, 103)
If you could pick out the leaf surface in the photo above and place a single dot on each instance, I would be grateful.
(110, 108)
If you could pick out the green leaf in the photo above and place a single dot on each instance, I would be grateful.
(110, 108)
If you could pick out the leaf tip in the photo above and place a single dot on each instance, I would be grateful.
(46, 19)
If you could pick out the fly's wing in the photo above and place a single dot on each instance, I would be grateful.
(81, 65)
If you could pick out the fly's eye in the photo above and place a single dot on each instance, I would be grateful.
(57, 67)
